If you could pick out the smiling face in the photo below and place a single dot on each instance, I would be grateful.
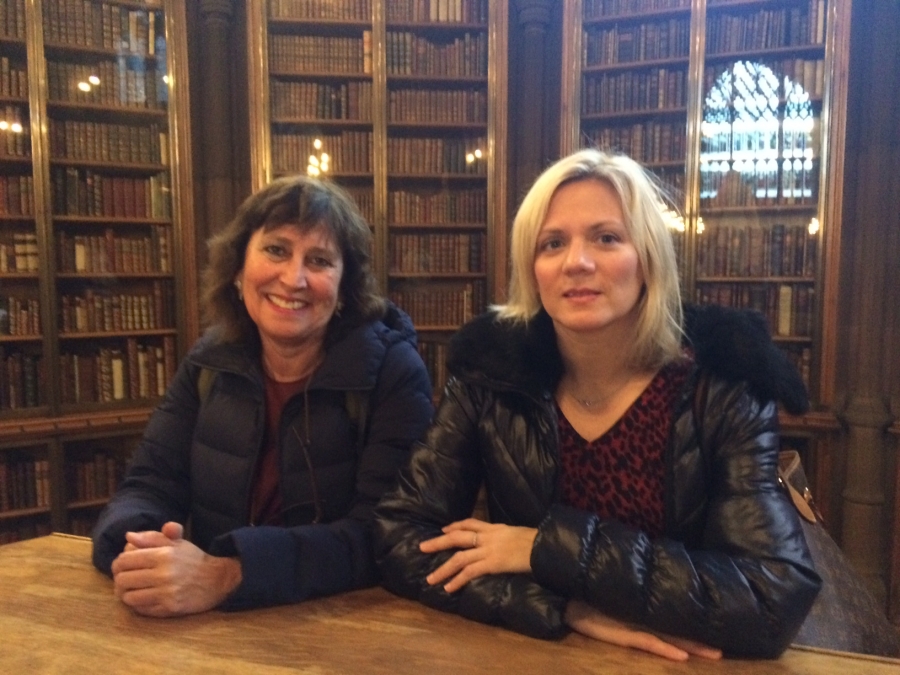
(290, 283)
(586, 267)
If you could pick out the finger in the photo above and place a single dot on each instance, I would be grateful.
(173, 530)
(466, 574)
(653, 645)
(148, 539)
(130, 547)
(695, 648)
(137, 559)
(456, 539)
(469, 524)
(451, 567)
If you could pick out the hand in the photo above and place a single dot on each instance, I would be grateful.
(161, 574)
(485, 549)
(588, 621)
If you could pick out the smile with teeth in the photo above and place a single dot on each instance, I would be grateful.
(285, 303)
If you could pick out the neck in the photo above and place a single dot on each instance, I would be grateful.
(596, 366)
(289, 363)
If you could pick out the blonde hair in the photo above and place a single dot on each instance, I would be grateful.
(659, 327)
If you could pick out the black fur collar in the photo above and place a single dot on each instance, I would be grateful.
(732, 344)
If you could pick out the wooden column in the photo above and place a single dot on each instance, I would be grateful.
(868, 313)
(213, 127)
(531, 91)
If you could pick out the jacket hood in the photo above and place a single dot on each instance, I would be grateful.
(732, 344)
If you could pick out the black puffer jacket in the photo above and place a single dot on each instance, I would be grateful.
(732, 569)
(196, 461)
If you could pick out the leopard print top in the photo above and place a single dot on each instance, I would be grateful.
(620, 475)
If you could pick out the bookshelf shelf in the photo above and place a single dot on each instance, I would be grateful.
(636, 17)
(21, 338)
(14, 514)
(100, 214)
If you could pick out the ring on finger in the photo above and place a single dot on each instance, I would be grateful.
(474, 540)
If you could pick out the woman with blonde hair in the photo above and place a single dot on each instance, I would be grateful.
(631, 481)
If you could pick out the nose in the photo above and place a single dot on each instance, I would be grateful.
(578, 259)
(294, 273)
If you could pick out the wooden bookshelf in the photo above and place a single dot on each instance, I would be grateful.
(411, 110)
(95, 226)
(726, 101)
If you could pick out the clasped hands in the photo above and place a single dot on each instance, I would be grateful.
(162, 574)
(486, 548)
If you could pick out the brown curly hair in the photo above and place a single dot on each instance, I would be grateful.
(307, 203)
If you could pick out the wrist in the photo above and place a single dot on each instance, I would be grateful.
(228, 575)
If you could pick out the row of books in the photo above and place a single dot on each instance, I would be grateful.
(655, 89)
(441, 106)
(436, 253)
(84, 192)
(18, 251)
(94, 477)
(348, 151)
(646, 142)
(19, 316)
(763, 182)
(442, 305)
(12, 19)
(296, 54)
(142, 371)
(753, 251)
(320, 100)
(16, 195)
(430, 156)
(765, 29)
(108, 142)
(788, 308)
(465, 206)
(339, 10)
(125, 81)
(15, 136)
(21, 374)
(24, 483)
(434, 354)
(626, 43)
(458, 56)
(596, 9)
(113, 252)
(100, 311)
(13, 79)
(808, 73)
(438, 11)
(365, 200)
(102, 25)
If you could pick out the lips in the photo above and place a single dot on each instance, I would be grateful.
(580, 293)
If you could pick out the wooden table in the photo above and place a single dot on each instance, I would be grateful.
(58, 615)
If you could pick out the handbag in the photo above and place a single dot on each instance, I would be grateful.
(845, 615)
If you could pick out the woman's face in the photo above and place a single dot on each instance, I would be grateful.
(586, 267)
(290, 283)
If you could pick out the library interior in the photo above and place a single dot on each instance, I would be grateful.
(131, 131)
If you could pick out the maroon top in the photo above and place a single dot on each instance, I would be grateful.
(265, 498)
(620, 475)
